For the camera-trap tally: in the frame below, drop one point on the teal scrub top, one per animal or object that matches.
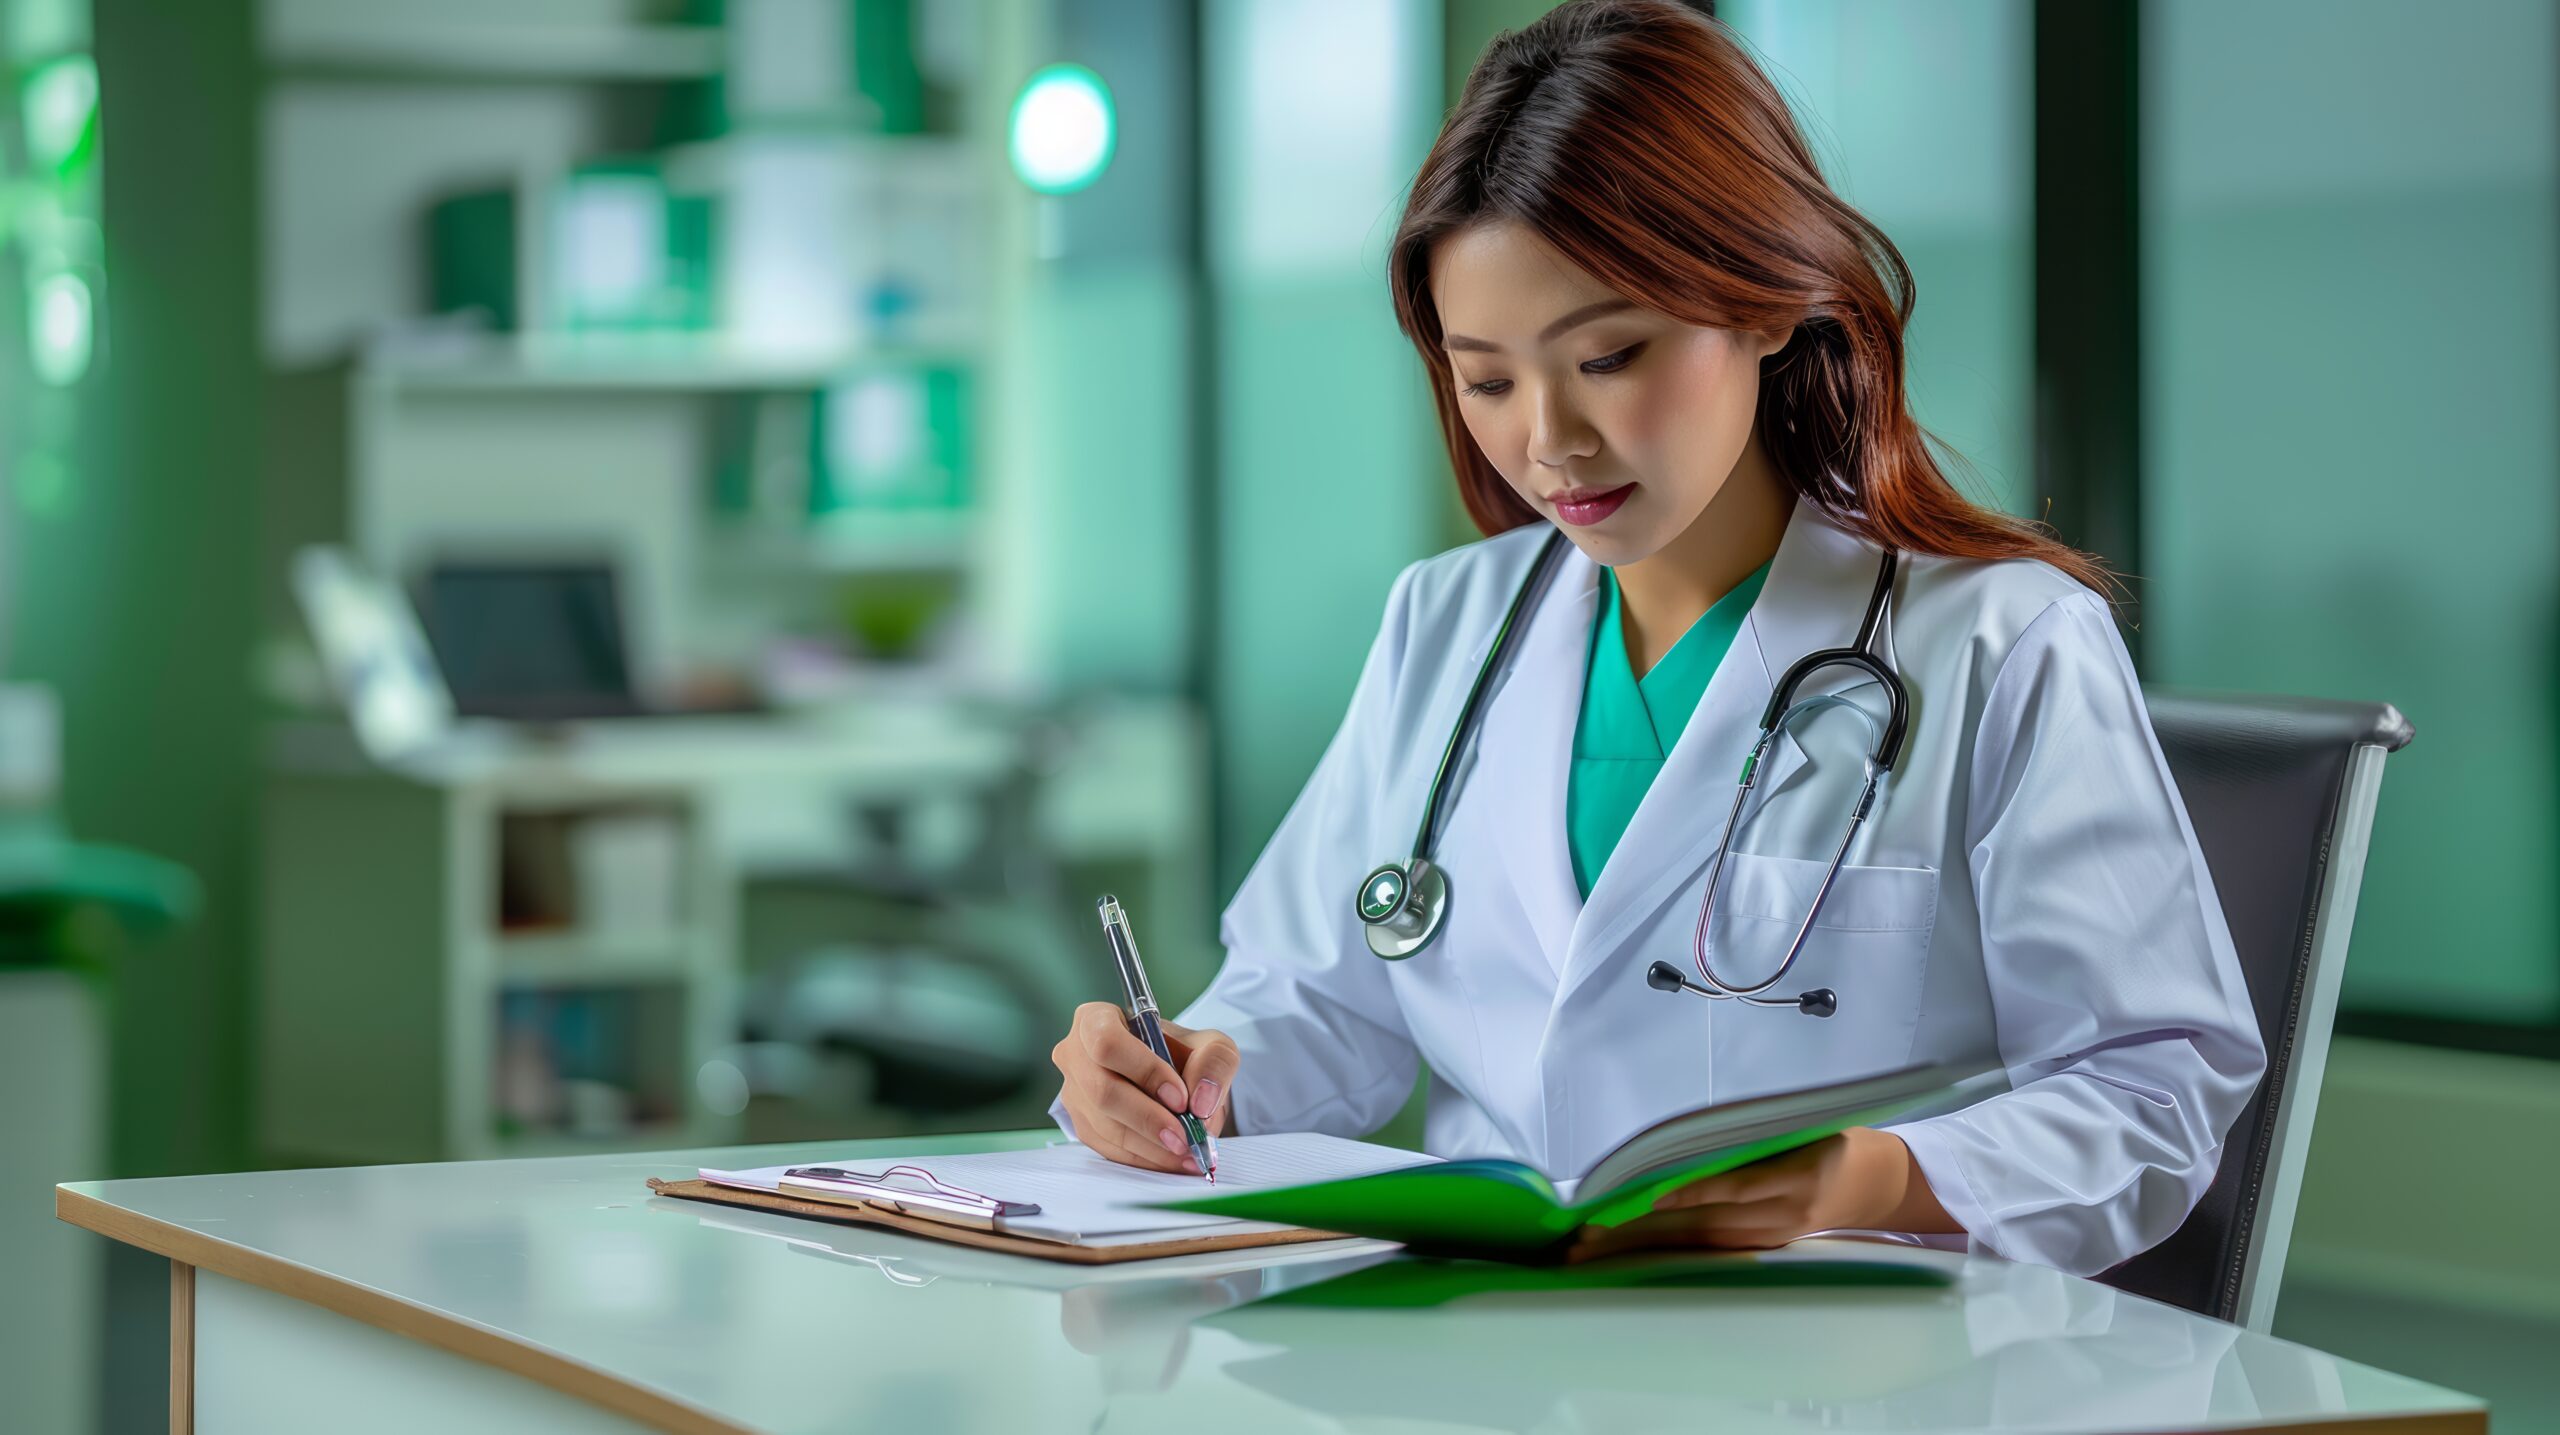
(1629, 724)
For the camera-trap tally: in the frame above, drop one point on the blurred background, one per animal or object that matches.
(613, 574)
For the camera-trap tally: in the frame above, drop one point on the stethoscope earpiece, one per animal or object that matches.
(1664, 977)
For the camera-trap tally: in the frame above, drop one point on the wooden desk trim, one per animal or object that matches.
(187, 1247)
(182, 1348)
(2442, 1422)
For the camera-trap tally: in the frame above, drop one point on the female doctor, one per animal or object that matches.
(1653, 328)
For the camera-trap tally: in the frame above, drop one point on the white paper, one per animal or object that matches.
(1089, 1200)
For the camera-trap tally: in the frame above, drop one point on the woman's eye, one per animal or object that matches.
(1490, 388)
(1611, 363)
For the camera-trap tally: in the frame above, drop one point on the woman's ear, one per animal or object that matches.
(1771, 344)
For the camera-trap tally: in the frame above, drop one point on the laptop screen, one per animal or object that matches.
(530, 640)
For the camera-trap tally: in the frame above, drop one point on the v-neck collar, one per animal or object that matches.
(1617, 721)
(1627, 717)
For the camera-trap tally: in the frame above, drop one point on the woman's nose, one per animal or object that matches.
(1557, 434)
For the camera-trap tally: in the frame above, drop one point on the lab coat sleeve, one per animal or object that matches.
(1315, 1020)
(2121, 1014)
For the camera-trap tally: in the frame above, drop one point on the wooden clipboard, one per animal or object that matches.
(850, 1215)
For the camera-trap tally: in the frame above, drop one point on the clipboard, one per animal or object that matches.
(888, 1215)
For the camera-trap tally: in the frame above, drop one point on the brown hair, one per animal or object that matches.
(1637, 138)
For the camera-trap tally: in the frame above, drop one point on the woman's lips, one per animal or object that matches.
(1583, 507)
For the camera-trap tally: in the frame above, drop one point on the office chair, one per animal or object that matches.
(938, 970)
(2281, 792)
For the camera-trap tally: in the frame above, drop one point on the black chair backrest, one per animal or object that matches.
(2264, 780)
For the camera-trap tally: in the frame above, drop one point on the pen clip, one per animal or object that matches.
(1124, 952)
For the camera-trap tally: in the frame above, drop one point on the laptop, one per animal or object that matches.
(537, 642)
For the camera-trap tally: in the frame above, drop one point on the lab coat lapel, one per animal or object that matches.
(1812, 599)
(1525, 753)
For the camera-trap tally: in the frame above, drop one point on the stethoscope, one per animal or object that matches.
(1402, 905)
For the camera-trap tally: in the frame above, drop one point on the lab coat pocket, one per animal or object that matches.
(1870, 946)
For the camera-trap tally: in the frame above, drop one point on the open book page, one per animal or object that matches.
(1087, 1199)
(1472, 1205)
(1504, 1209)
(1776, 1122)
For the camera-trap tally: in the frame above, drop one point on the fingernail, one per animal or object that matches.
(1170, 1095)
(1172, 1142)
(1204, 1099)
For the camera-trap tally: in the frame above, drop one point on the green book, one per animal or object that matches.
(1507, 1210)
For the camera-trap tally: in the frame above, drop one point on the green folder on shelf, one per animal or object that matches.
(1507, 1210)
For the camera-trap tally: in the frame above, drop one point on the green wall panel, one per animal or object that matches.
(2352, 342)
(1330, 477)
(1922, 117)
(136, 594)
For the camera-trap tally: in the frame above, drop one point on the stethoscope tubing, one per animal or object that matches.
(1409, 885)
(1427, 837)
(1884, 749)
(1712, 984)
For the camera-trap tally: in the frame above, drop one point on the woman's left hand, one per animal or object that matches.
(1861, 1179)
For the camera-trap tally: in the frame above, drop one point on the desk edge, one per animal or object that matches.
(548, 1368)
(451, 1334)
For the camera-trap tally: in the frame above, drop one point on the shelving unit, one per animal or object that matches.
(388, 976)
(385, 954)
(669, 363)
(882, 541)
(370, 45)
(387, 951)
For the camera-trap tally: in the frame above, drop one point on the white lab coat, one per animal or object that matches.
(2029, 883)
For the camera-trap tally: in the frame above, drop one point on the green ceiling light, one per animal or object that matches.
(59, 328)
(59, 106)
(1063, 129)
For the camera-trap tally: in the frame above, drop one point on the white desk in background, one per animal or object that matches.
(383, 966)
(559, 1295)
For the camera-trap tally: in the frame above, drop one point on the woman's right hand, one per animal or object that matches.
(1123, 1097)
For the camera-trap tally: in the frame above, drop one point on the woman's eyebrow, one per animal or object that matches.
(1583, 315)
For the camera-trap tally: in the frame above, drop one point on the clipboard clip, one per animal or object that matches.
(940, 1197)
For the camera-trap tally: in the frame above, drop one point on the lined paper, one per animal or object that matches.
(1090, 1200)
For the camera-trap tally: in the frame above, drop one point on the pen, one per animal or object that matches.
(1144, 1022)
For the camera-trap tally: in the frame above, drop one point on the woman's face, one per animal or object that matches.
(1618, 423)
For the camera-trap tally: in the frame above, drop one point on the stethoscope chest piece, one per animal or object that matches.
(1401, 905)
